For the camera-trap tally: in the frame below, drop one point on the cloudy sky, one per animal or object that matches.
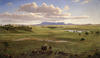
(37, 11)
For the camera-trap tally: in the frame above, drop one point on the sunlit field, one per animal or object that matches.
(72, 39)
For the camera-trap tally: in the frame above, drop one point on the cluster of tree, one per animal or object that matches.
(91, 32)
(87, 33)
(15, 28)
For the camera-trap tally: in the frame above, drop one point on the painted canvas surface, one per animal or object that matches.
(49, 28)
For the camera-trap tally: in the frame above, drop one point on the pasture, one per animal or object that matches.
(21, 41)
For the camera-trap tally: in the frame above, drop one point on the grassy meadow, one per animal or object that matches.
(57, 36)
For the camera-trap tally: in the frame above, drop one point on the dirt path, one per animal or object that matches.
(58, 41)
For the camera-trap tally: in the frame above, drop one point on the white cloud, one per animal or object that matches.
(19, 16)
(66, 7)
(48, 11)
(75, 0)
(31, 17)
(44, 9)
(83, 1)
(32, 12)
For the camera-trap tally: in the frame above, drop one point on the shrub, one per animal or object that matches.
(82, 39)
(79, 33)
(97, 32)
(86, 33)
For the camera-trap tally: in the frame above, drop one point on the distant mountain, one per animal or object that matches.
(70, 24)
(55, 23)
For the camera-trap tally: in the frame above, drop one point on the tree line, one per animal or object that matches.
(10, 27)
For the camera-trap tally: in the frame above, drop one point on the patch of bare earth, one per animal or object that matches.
(47, 40)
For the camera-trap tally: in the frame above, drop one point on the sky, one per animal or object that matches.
(37, 11)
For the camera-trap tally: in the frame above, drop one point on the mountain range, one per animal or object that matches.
(54, 23)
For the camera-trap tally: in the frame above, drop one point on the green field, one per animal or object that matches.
(56, 36)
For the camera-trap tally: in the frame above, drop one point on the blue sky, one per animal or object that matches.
(17, 3)
(87, 11)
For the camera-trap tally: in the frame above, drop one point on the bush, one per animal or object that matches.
(86, 33)
(97, 32)
(79, 33)
(82, 39)
(6, 44)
